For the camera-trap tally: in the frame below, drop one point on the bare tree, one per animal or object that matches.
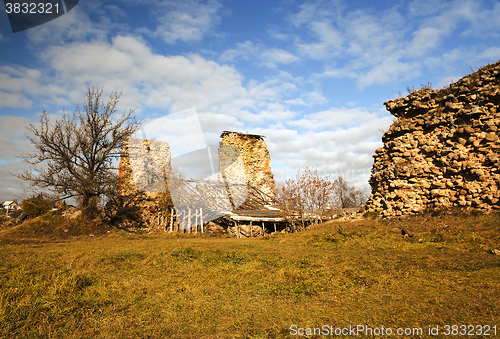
(349, 196)
(289, 202)
(79, 150)
(306, 197)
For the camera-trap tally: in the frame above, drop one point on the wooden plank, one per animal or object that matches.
(172, 220)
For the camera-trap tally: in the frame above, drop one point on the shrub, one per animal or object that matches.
(36, 206)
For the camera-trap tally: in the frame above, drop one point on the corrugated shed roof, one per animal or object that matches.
(255, 215)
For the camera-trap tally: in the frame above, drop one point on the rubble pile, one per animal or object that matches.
(443, 150)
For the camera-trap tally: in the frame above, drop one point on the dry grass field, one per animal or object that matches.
(339, 274)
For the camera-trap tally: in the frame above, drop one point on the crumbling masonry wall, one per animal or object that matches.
(256, 166)
(244, 169)
(141, 169)
(443, 150)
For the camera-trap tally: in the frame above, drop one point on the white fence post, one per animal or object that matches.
(201, 217)
(196, 221)
(172, 220)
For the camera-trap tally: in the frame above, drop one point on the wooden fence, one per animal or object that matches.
(190, 221)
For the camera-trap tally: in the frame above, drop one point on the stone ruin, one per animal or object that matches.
(142, 177)
(245, 180)
(442, 151)
(255, 167)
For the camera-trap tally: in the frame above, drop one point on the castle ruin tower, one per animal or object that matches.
(256, 165)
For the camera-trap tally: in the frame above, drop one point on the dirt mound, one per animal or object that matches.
(62, 224)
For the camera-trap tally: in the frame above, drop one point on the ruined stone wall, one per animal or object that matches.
(141, 176)
(256, 169)
(147, 159)
(244, 168)
(443, 150)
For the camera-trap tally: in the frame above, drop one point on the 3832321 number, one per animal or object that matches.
(470, 330)
(31, 8)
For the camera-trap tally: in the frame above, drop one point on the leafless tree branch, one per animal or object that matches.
(79, 149)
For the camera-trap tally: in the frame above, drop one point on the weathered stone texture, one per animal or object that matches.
(443, 150)
(148, 160)
(247, 161)
(245, 178)
(141, 173)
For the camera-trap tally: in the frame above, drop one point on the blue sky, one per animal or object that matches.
(311, 76)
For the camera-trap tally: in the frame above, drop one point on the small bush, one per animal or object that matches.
(36, 206)
(370, 215)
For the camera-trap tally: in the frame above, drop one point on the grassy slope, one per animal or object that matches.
(338, 274)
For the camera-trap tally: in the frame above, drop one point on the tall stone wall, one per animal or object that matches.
(443, 150)
(244, 176)
(254, 169)
(141, 176)
(147, 160)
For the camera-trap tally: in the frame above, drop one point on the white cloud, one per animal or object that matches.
(335, 119)
(330, 41)
(273, 56)
(448, 62)
(273, 33)
(421, 8)
(338, 141)
(273, 112)
(296, 102)
(187, 21)
(147, 79)
(15, 100)
(270, 90)
(491, 54)
(20, 85)
(335, 73)
(73, 26)
(267, 57)
(425, 39)
(12, 130)
(388, 46)
(244, 50)
(485, 22)
(388, 71)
